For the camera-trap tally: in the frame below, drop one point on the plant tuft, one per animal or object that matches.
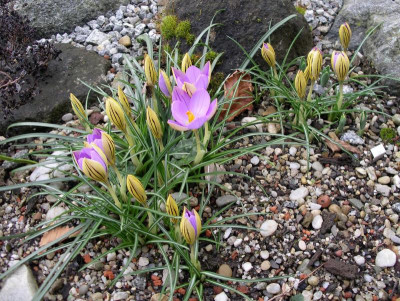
(168, 26)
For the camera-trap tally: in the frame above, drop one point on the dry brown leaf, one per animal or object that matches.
(242, 99)
(335, 148)
(53, 234)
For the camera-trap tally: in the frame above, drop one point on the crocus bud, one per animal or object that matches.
(153, 123)
(101, 140)
(150, 71)
(77, 107)
(136, 188)
(345, 35)
(186, 62)
(268, 53)
(314, 62)
(190, 226)
(164, 83)
(172, 208)
(300, 84)
(116, 114)
(307, 74)
(124, 100)
(92, 164)
(340, 64)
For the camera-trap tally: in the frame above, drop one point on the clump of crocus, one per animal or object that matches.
(340, 65)
(314, 63)
(165, 84)
(345, 35)
(186, 62)
(190, 229)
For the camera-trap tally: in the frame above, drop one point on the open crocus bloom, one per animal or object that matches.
(190, 113)
(91, 163)
(104, 142)
(193, 79)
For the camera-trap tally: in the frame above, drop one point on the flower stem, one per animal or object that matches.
(339, 102)
(310, 91)
(207, 134)
(193, 256)
(113, 195)
(200, 152)
(121, 182)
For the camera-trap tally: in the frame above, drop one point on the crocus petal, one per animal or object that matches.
(197, 123)
(180, 77)
(207, 70)
(192, 219)
(98, 158)
(179, 110)
(199, 103)
(212, 109)
(177, 126)
(179, 95)
(96, 134)
(77, 158)
(193, 73)
(202, 82)
(94, 170)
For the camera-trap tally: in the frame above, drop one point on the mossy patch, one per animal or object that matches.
(168, 26)
(183, 29)
(301, 10)
(216, 80)
(387, 135)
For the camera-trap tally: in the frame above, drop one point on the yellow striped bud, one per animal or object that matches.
(153, 123)
(124, 101)
(116, 114)
(150, 71)
(345, 35)
(77, 107)
(172, 208)
(307, 74)
(135, 187)
(340, 64)
(314, 62)
(300, 84)
(268, 53)
(94, 170)
(186, 62)
(190, 226)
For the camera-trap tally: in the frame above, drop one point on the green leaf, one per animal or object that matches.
(17, 160)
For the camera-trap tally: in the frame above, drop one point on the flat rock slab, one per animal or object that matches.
(246, 22)
(341, 268)
(57, 16)
(62, 77)
(19, 286)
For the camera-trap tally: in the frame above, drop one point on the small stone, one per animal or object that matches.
(341, 268)
(383, 189)
(255, 160)
(67, 117)
(302, 245)
(273, 288)
(317, 166)
(221, 297)
(396, 207)
(359, 260)
(225, 200)
(237, 242)
(209, 248)
(317, 222)
(385, 258)
(396, 181)
(292, 151)
(324, 201)
(54, 212)
(299, 193)
(313, 280)
(247, 266)
(268, 228)
(317, 295)
(265, 265)
(384, 180)
(20, 285)
(356, 203)
(143, 261)
(264, 254)
(225, 270)
(97, 37)
(83, 289)
(126, 41)
(256, 127)
(361, 172)
(396, 119)
(111, 256)
(120, 296)
(352, 138)
(378, 152)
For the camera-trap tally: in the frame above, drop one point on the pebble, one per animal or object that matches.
(255, 160)
(264, 254)
(383, 189)
(385, 258)
(359, 260)
(111, 256)
(265, 265)
(67, 117)
(299, 193)
(313, 280)
(317, 222)
(221, 297)
(247, 266)
(268, 228)
(143, 261)
(225, 200)
(273, 288)
(120, 296)
(225, 270)
(384, 180)
(292, 151)
(317, 166)
(302, 245)
(83, 289)
(54, 212)
(317, 295)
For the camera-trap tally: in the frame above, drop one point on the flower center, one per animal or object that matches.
(190, 116)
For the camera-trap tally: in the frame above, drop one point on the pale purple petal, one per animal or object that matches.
(180, 77)
(162, 85)
(212, 109)
(179, 110)
(201, 82)
(197, 123)
(96, 134)
(199, 103)
(179, 95)
(177, 126)
(96, 157)
(193, 73)
(206, 70)
(192, 219)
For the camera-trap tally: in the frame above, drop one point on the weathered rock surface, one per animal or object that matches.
(59, 80)
(341, 268)
(54, 16)
(19, 286)
(246, 22)
(382, 48)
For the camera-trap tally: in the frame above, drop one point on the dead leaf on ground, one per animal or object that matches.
(239, 89)
(53, 234)
(335, 148)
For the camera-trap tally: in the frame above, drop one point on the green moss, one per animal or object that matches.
(190, 39)
(216, 80)
(183, 29)
(168, 27)
(301, 10)
(387, 135)
(211, 55)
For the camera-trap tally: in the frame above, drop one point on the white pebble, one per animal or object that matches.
(221, 297)
(255, 160)
(385, 258)
(247, 266)
(273, 288)
(238, 242)
(302, 245)
(268, 228)
(317, 222)
(360, 260)
(143, 261)
(264, 254)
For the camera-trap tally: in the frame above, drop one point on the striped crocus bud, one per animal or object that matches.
(186, 62)
(77, 107)
(172, 208)
(190, 226)
(307, 74)
(164, 83)
(300, 84)
(340, 64)
(150, 71)
(124, 100)
(153, 123)
(314, 62)
(92, 164)
(105, 144)
(345, 35)
(268, 53)
(116, 114)
(135, 187)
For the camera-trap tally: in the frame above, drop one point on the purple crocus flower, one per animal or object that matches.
(190, 225)
(104, 142)
(190, 113)
(91, 163)
(193, 79)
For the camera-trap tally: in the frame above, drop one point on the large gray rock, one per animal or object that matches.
(382, 48)
(246, 22)
(59, 80)
(19, 286)
(58, 16)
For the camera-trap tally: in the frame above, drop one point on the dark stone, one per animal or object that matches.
(341, 268)
(57, 16)
(95, 118)
(328, 221)
(314, 258)
(59, 80)
(246, 22)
